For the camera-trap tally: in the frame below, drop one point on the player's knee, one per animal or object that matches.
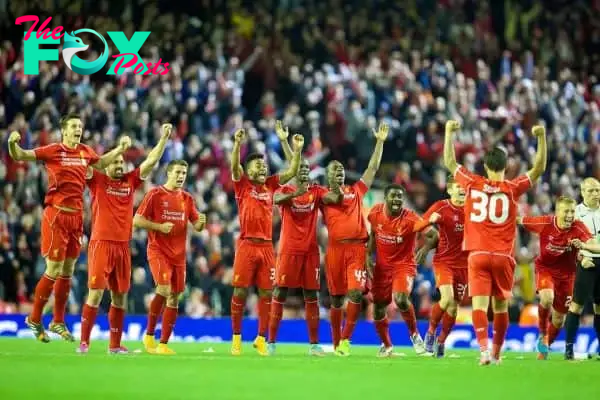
(68, 267)
(240, 293)
(355, 296)
(173, 300)
(445, 302)
(337, 301)
(310, 295)
(118, 299)
(576, 308)
(53, 268)
(546, 298)
(280, 294)
(402, 301)
(163, 290)
(499, 305)
(265, 293)
(379, 311)
(94, 297)
(596, 308)
(558, 319)
(452, 309)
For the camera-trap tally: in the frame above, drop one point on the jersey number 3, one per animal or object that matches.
(489, 207)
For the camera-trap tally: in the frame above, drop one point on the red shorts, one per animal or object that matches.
(450, 275)
(61, 234)
(562, 286)
(109, 265)
(388, 280)
(166, 273)
(298, 271)
(254, 265)
(345, 267)
(491, 274)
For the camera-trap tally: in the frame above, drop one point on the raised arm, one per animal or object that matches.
(449, 156)
(283, 134)
(157, 152)
(541, 156)
(111, 156)
(292, 170)
(16, 152)
(236, 167)
(283, 198)
(144, 223)
(381, 134)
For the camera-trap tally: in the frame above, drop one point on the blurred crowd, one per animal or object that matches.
(331, 70)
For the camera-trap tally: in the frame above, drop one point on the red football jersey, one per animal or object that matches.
(395, 237)
(490, 211)
(451, 226)
(112, 205)
(345, 220)
(255, 206)
(299, 220)
(176, 206)
(67, 170)
(555, 251)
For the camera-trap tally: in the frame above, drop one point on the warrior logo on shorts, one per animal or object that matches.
(164, 275)
(283, 278)
(236, 277)
(93, 279)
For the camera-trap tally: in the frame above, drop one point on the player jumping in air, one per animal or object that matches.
(62, 220)
(346, 250)
(490, 230)
(587, 279)
(298, 263)
(555, 266)
(109, 261)
(449, 263)
(393, 238)
(165, 213)
(254, 263)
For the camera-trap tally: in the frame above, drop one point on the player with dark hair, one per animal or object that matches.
(587, 280)
(165, 212)
(555, 266)
(393, 238)
(254, 262)
(449, 263)
(298, 262)
(62, 221)
(489, 236)
(109, 261)
(346, 249)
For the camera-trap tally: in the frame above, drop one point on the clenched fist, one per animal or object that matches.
(166, 227)
(125, 143)
(166, 130)
(14, 137)
(452, 126)
(239, 135)
(538, 131)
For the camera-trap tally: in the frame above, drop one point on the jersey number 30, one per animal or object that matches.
(489, 207)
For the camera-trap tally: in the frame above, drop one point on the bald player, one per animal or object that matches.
(587, 280)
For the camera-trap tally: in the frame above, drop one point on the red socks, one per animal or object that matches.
(335, 317)
(237, 312)
(275, 320)
(480, 325)
(543, 316)
(553, 332)
(383, 330)
(88, 318)
(62, 286)
(448, 322)
(410, 319)
(311, 308)
(156, 309)
(435, 318)
(264, 310)
(115, 322)
(43, 290)
(352, 314)
(500, 328)
(168, 322)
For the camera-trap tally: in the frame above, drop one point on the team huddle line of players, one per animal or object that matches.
(473, 233)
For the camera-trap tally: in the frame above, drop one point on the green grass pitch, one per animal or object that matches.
(32, 370)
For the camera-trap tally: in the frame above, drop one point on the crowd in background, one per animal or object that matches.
(331, 70)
